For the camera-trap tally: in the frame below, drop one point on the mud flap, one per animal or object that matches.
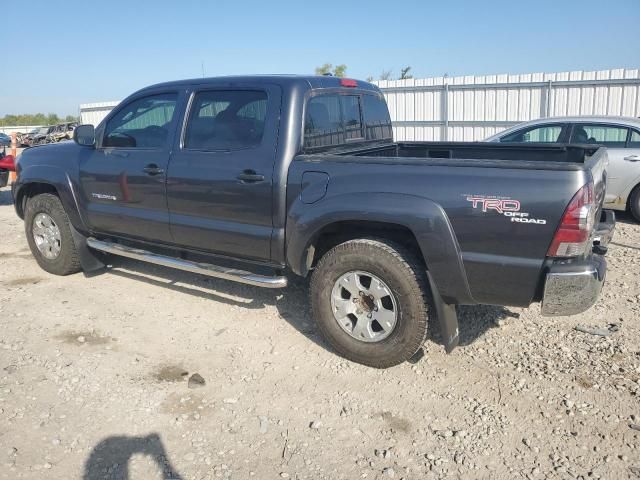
(88, 260)
(447, 318)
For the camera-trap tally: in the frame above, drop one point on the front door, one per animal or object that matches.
(219, 186)
(123, 180)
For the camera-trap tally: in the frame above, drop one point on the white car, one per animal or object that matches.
(621, 136)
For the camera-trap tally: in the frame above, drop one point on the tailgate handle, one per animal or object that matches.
(632, 158)
(250, 176)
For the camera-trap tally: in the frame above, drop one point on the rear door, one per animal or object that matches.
(219, 186)
(122, 180)
(614, 137)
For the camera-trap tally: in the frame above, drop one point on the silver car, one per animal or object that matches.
(621, 136)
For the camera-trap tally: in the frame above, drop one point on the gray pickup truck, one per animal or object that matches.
(260, 178)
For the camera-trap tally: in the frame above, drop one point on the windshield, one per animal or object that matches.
(43, 130)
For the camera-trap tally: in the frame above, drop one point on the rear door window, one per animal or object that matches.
(226, 120)
(634, 141)
(536, 134)
(611, 136)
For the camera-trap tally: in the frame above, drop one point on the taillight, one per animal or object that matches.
(573, 234)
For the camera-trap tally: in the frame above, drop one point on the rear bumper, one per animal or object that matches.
(573, 287)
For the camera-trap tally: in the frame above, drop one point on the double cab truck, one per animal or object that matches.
(259, 179)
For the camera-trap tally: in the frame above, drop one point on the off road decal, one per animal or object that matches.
(505, 206)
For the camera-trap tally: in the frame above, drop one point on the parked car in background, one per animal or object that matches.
(25, 139)
(40, 137)
(62, 131)
(621, 136)
(7, 164)
(5, 140)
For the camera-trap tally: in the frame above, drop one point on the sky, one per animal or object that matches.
(89, 51)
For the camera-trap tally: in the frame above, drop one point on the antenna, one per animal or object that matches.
(202, 65)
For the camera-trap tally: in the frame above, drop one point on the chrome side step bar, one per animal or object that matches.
(180, 264)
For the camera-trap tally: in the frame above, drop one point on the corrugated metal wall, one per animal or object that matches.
(93, 113)
(475, 107)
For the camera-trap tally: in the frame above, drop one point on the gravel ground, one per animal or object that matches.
(94, 383)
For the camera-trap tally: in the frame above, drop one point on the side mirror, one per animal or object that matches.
(85, 135)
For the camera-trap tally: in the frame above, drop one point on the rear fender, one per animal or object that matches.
(423, 217)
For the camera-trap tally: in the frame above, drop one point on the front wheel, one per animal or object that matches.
(370, 299)
(49, 235)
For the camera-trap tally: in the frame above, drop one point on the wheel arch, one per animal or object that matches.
(36, 180)
(415, 222)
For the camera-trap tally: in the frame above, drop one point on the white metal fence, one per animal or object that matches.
(475, 107)
(19, 129)
(93, 113)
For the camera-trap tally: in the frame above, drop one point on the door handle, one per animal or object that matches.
(632, 158)
(153, 169)
(250, 176)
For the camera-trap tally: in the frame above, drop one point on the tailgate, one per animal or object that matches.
(598, 164)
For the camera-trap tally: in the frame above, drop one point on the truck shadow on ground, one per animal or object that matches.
(110, 458)
(292, 302)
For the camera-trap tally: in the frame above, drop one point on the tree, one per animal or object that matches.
(328, 68)
(404, 73)
(370, 78)
(340, 71)
(34, 119)
(324, 69)
(385, 75)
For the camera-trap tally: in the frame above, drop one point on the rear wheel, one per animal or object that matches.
(49, 235)
(370, 299)
(634, 203)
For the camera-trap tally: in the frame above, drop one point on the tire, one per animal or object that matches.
(634, 203)
(403, 275)
(67, 260)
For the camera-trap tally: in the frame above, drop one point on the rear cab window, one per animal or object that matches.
(334, 119)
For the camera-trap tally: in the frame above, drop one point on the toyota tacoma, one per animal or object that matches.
(259, 179)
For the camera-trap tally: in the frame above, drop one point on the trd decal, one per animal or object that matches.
(507, 207)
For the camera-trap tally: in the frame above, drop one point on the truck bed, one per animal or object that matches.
(502, 260)
(522, 152)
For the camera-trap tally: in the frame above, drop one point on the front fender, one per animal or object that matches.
(55, 177)
(423, 217)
